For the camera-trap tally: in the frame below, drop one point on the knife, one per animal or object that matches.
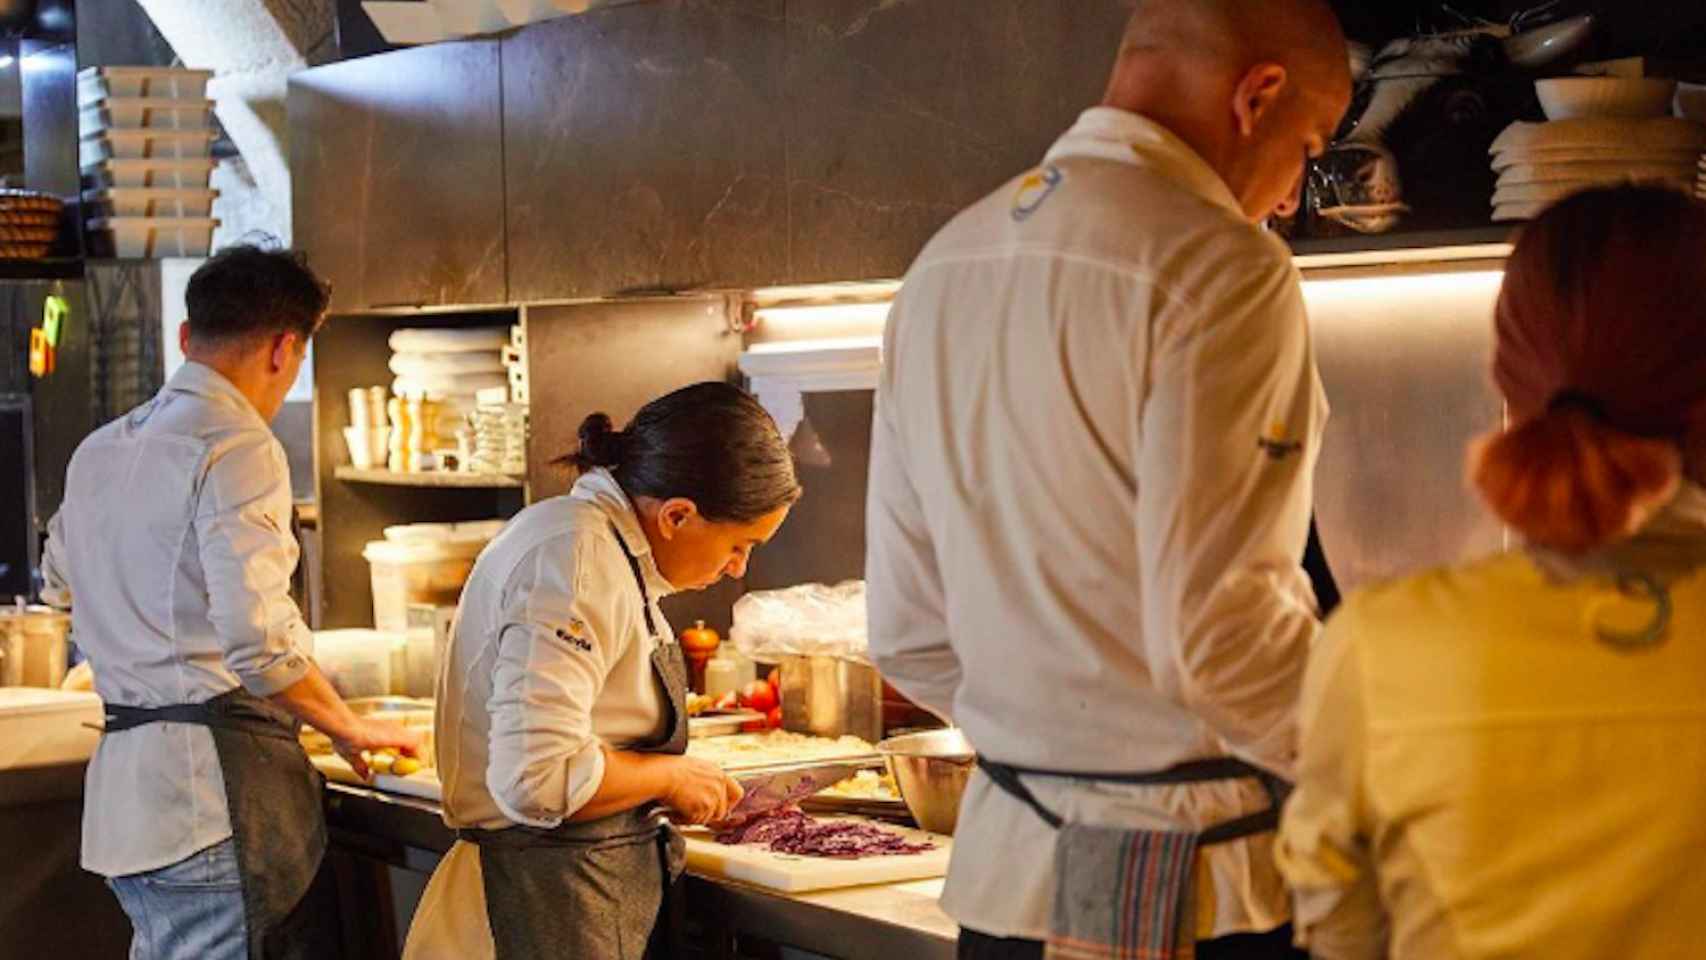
(770, 789)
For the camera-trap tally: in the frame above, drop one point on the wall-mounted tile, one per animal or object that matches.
(397, 172)
(900, 114)
(645, 149)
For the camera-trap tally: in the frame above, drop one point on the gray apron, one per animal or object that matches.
(595, 890)
(1125, 894)
(278, 823)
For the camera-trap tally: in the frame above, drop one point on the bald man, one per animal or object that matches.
(1090, 489)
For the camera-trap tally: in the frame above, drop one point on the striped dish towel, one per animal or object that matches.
(1123, 895)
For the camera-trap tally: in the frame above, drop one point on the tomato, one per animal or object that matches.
(755, 726)
(759, 696)
(775, 718)
(775, 681)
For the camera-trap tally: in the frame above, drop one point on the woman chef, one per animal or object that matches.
(561, 726)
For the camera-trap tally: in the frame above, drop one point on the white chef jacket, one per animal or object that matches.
(173, 549)
(548, 659)
(1090, 492)
(1482, 777)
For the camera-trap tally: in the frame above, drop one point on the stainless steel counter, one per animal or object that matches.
(861, 923)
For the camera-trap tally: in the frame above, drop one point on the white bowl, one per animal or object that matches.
(1574, 98)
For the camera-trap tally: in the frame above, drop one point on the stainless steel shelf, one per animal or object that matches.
(471, 481)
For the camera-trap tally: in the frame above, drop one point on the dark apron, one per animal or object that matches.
(595, 890)
(278, 823)
(1123, 893)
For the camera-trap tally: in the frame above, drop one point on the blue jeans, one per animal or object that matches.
(191, 910)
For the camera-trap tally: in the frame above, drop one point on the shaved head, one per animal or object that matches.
(1301, 35)
(1255, 87)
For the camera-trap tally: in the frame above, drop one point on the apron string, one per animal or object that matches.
(639, 581)
(1009, 779)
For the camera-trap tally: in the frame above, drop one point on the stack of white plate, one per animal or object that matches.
(449, 366)
(146, 148)
(1541, 163)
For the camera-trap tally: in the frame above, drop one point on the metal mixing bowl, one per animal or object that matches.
(931, 770)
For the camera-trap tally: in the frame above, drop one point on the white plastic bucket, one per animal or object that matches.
(430, 572)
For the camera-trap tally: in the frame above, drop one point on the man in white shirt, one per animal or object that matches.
(1091, 470)
(173, 549)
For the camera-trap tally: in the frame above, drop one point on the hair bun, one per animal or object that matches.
(600, 443)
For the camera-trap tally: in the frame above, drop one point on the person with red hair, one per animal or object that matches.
(1508, 758)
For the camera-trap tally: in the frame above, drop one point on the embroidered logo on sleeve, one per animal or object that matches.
(575, 636)
(1277, 445)
(1034, 190)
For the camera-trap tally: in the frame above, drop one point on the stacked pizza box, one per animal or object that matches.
(147, 156)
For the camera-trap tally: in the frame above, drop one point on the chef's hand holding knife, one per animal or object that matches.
(700, 792)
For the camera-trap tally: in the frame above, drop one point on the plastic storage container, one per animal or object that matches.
(149, 202)
(174, 83)
(143, 113)
(146, 238)
(358, 662)
(32, 646)
(43, 728)
(145, 144)
(423, 571)
(181, 174)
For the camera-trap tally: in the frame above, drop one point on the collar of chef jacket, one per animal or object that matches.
(204, 381)
(599, 487)
(1106, 133)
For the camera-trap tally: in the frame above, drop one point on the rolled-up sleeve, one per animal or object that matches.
(907, 609)
(1324, 847)
(56, 574)
(555, 652)
(1228, 446)
(242, 528)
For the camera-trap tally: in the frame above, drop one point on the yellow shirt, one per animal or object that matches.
(1482, 777)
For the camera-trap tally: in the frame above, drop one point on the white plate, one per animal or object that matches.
(1656, 158)
(1522, 193)
(1597, 171)
(1663, 133)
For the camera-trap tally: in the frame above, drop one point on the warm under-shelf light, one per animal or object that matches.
(1408, 288)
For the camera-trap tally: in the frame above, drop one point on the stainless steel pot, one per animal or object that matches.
(931, 770)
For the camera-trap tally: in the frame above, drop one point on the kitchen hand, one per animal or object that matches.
(377, 735)
(700, 792)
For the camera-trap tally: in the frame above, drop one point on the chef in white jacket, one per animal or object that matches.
(562, 724)
(1090, 485)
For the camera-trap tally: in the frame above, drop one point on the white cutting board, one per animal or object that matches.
(793, 874)
(423, 784)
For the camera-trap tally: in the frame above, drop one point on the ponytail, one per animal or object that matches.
(600, 444)
(1568, 481)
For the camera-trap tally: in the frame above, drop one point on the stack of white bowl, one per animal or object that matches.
(449, 366)
(497, 439)
(147, 155)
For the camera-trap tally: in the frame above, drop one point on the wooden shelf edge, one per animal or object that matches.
(469, 481)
